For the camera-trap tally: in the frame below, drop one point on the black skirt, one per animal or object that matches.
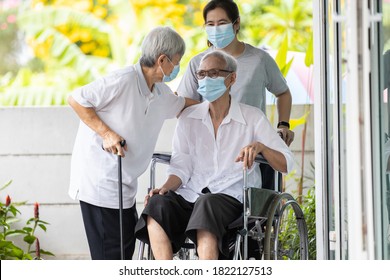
(180, 218)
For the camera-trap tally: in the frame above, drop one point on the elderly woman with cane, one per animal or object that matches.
(129, 104)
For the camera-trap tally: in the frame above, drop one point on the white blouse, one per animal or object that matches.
(202, 160)
(125, 103)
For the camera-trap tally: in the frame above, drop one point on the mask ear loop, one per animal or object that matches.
(230, 86)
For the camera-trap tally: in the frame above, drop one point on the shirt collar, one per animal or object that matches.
(201, 112)
(143, 86)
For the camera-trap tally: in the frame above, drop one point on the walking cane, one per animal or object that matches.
(123, 143)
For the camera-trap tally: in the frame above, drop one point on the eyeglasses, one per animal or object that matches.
(212, 73)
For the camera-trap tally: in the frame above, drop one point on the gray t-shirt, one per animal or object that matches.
(256, 71)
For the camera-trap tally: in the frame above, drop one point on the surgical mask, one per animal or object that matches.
(220, 35)
(175, 71)
(212, 89)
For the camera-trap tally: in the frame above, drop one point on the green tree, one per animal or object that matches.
(73, 42)
(269, 22)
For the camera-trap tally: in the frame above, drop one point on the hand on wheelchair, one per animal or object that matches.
(286, 134)
(248, 154)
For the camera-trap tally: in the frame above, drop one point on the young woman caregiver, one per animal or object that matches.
(256, 71)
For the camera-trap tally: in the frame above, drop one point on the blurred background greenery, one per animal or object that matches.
(50, 47)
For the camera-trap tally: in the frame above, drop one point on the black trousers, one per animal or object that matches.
(103, 234)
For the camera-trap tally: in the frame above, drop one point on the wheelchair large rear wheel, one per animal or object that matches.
(286, 231)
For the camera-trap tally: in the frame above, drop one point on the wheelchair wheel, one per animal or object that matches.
(286, 231)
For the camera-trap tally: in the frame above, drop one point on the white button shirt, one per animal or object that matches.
(202, 160)
(124, 102)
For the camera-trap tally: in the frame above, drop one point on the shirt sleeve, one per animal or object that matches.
(181, 163)
(276, 83)
(266, 134)
(188, 86)
(97, 94)
(173, 104)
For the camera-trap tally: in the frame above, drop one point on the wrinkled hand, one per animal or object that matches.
(286, 134)
(248, 154)
(160, 191)
(111, 144)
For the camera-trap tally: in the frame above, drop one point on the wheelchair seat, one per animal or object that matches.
(258, 233)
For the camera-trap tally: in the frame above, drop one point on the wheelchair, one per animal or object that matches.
(272, 226)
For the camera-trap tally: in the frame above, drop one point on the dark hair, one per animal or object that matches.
(228, 6)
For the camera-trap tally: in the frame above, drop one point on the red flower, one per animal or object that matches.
(7, 201)
(37, 249)
(36, 210)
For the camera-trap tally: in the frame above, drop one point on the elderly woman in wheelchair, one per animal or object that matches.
(213, 142)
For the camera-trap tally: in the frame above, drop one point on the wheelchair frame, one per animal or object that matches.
(267, 224)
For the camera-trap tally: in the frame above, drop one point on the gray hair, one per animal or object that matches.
(230, 61)
(161, 40)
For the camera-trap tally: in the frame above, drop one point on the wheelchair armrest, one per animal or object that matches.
(166, 157)
(260, 159)
(162, 157)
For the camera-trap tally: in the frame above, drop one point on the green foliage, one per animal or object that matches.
(8, 217)
(8, 33)
(309, 57)
(74, 42)
(281, 58)
(278, 19)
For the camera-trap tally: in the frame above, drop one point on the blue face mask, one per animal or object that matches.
(175, 71)
(221, 35)
(212, 89)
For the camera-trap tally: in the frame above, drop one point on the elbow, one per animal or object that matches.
(70, 100)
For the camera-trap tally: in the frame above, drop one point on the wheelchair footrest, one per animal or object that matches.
(188, 245)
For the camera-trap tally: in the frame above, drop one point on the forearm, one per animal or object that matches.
(275, 158)
(89, 117)
(283, 104)
(190, 102)
(172, 183)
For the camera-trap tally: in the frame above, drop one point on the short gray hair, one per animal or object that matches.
(161, 40)
(230, 61)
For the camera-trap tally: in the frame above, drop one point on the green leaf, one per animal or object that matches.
(30, 220)
(281, 56)
(29, 239)
(6, 185)
(5, 244)
(15, 232)
(28, 229)
(309, 57)
(17, 253)
(287, 67)
(13, 210)
(12, 220)
(43, 222)
(297, 122)
(43, 252)
(27, 257)
(42, 227)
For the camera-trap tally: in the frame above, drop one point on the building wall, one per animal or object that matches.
(35, 151)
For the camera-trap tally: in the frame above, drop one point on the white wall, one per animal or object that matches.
(35, 150)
